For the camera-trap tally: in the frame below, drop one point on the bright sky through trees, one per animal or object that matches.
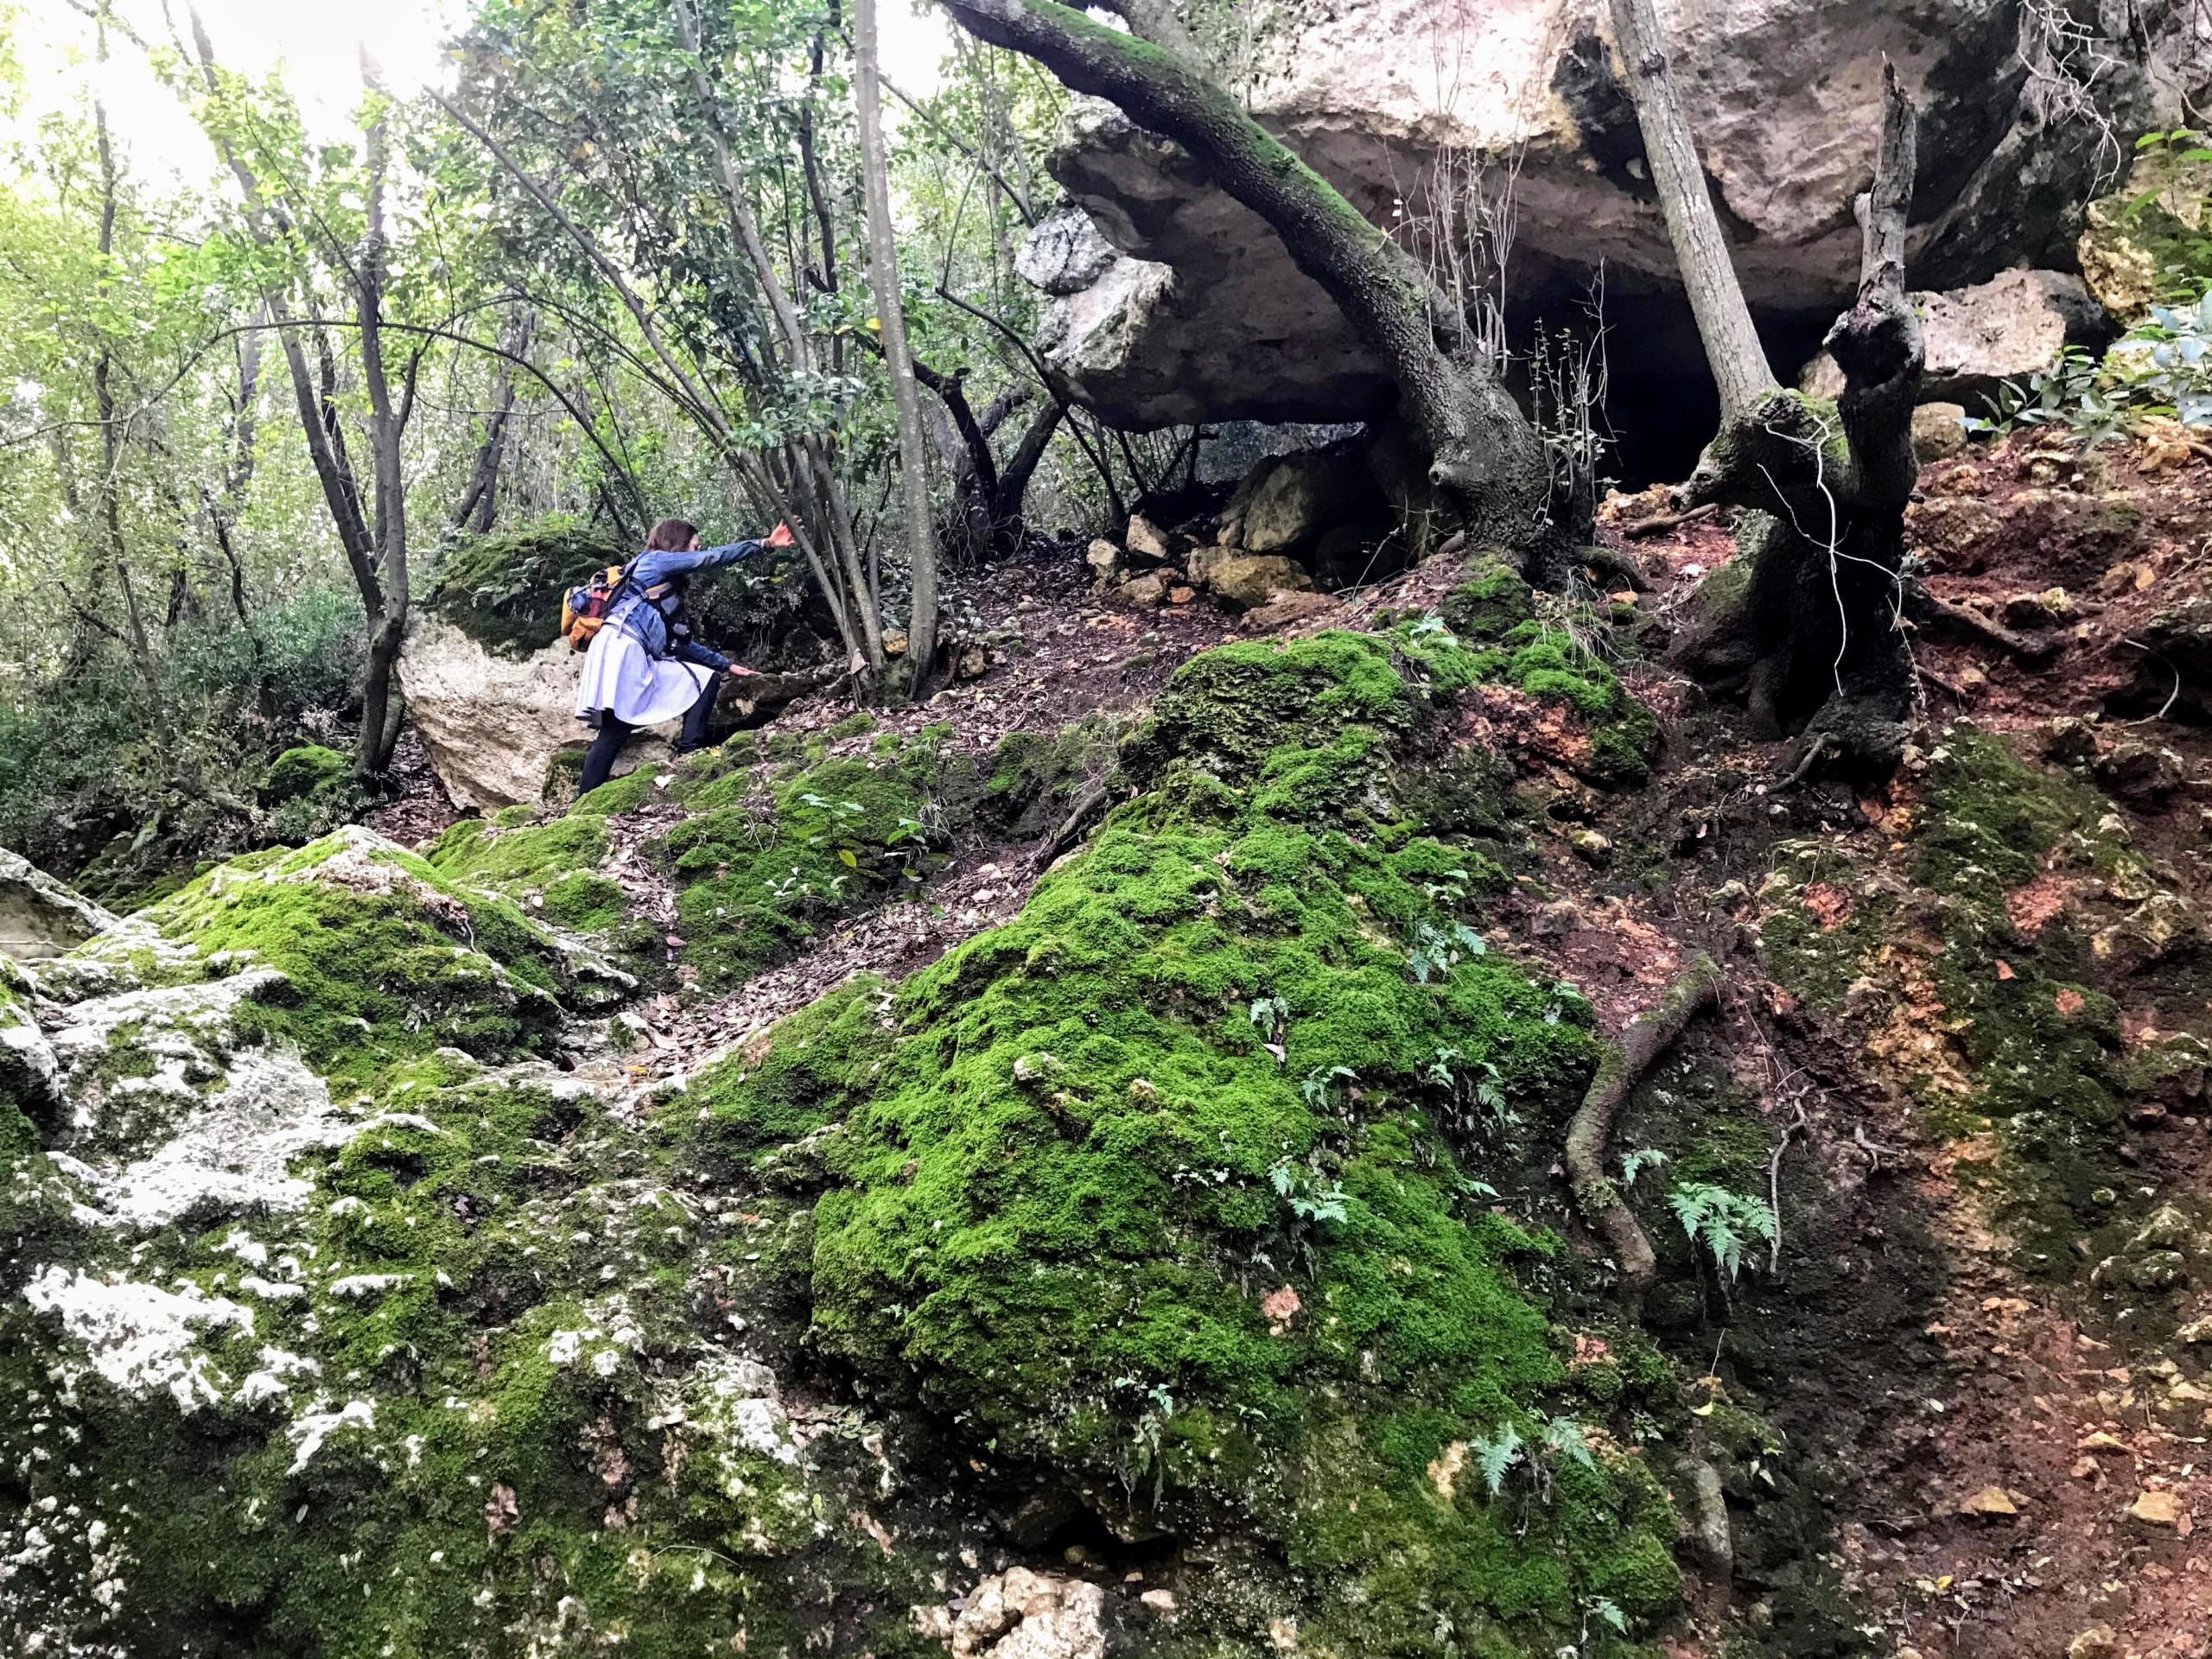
(318, 45)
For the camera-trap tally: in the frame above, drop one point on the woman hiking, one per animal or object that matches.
(644, 666)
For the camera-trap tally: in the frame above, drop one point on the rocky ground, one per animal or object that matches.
(1076, 1167)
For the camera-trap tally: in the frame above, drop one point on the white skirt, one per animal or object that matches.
(641, 689)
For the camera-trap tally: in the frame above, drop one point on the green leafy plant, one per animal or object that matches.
(2068, 394)
(1562, 1442)
(1308, 1201)
(1725, 1223)
(1317, 1085)
(1437, 950)
(2164, 366)
(1633, 1164)
(1474, 1096)
(1496, 1454)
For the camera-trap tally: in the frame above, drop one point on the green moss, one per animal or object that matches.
(503, 590)
(520, 861)
(1035, 776)
(1081, 1164)
(2037, 1047)
(1492, 602)
(302, 771)
(852, 725)
(822, 1056)
(1989, 819)
(839, 834)
(616, 796)
(383, 957)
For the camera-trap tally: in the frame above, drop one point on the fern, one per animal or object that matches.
(1633, 1164)
(1495, 1454)
(1563, 1437)
(1726, 1224)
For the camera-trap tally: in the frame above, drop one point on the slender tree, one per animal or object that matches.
(890, 310)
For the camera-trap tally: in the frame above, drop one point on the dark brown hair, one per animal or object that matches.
(671, 535)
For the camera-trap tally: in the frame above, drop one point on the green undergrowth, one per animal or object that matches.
(779, 836)
(1170, 1190)
(1532, 649)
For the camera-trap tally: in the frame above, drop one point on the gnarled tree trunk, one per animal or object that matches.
(1806, 622)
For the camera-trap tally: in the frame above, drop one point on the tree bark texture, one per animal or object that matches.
(1807, 621)
(890, 310)
(1724, 321)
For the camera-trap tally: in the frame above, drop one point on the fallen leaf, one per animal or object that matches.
(1989, 1500)
(2005, 970)
(2069, 1002)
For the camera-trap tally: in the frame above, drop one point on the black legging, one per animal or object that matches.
(606, 747)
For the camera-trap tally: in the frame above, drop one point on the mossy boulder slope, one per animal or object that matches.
(356, 1304)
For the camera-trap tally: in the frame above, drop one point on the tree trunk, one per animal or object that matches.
(110, 493)
(480, 501)
(890, 310)
(1806, 621)
(388, 621)
(1486, 462)
(1724, 321)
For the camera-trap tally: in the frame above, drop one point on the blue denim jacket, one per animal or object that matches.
(661, 627)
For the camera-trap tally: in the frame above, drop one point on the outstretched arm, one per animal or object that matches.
(691, 651)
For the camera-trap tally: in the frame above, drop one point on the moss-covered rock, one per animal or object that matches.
(302, 771)
(1158, 1194)
(503, 590)
(379, 956)
(1164, 1201)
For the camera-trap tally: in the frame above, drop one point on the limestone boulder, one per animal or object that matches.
(1250, 580)
(2156, 217)
(2007, 328)
(1938, 431)
(1176, 304)
(40, 917)
(494, 722)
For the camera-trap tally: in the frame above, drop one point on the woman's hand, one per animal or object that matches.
(779, 537)
(740, 671)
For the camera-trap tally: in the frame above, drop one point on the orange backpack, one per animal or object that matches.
(583, 610)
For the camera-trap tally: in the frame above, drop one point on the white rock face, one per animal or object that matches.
(2009, 328)
(40, 917)
(493, 724)
(1205, 313)
(139, 1338)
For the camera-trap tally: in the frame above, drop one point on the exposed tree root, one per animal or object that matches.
(1933, 615)
(1610, 561)
(1711, 1543)
(1667, 521)
(1090, 805)
(1620, 1065)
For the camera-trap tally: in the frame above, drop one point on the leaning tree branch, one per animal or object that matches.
(1620, 1066)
